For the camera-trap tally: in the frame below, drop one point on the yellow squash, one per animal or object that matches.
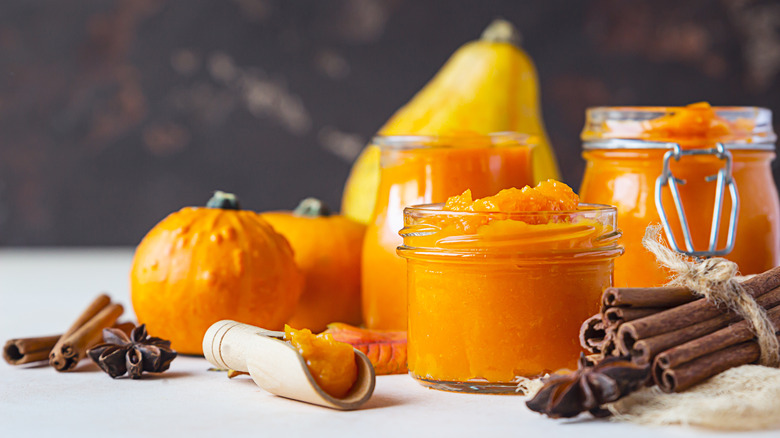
(488, 85)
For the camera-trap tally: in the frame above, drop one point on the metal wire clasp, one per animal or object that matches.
(723, 179)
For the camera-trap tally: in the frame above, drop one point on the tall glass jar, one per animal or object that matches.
(703, 172)
(494, 296)
(417, 170)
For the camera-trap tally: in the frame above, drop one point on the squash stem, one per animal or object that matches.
(225, 201)
(311, 207)
(501, 31)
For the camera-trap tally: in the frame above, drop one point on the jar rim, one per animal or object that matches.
(634, 127)
(437, 208)
(638, 144)
(415, 141)
(651, 112)
(511, 246)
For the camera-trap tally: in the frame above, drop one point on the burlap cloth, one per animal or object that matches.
(742, 398)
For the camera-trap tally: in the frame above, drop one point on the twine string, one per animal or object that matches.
(714, 279)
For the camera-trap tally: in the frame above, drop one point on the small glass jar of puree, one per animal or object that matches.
(702, 172)
(495, 295)
(422, 170)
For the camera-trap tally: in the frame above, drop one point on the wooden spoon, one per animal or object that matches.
(277, 366)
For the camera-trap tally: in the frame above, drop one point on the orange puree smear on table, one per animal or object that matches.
(517, 310)
(331, 363)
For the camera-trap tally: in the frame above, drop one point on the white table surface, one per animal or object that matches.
(189, 400)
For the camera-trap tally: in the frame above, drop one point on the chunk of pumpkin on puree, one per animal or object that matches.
(331, 363)
(548, 195)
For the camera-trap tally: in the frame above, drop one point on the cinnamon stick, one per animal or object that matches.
(619, 315)
(668, 296)
(592, 333)
(704, 367)
(688, 314)
(27, 350)
(644, 350)
(599, 332)
(609, 344)
(713, 342)
(86, 332)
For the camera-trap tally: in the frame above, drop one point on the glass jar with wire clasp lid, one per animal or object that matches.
(702, 172)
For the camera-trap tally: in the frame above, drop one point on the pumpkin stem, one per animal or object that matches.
(501, 31)
(311, 207)
(226, 201)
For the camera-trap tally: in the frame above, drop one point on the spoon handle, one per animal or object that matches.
(227, 344)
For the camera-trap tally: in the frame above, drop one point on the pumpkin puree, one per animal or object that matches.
(499, 286)
(694, 125)
(331, 363)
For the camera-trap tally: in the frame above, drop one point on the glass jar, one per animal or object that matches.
(494, 296)
(702, 172)
(422, 169)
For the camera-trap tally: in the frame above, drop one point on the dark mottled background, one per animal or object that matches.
(114, 113)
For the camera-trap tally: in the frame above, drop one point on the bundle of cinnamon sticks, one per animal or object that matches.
(65, 351)
(683, 337)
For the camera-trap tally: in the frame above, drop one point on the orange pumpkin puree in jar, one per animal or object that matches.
(499, 286)
(331, 363)
(625, 147)
(421, 170)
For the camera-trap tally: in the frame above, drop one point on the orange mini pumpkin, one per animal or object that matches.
(327, 249)
(201, 265)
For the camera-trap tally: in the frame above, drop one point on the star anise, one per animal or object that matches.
(133, 355)
(588, 388)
